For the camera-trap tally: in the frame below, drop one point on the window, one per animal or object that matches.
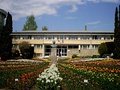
(38, 46)
(47, 50)
(49, 37)
(99, 37)
(73, 46)
(111, 37)
(73, 37)
(108, 37)
(26, 37)
(61, 37)
(16, 37)
(95, 46)
(84, 37)
(38, 37)
(85, 46)
(95, 37)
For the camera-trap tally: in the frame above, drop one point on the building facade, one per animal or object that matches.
(82, 43)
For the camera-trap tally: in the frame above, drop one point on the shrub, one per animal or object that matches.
(74, 56)
(26, 50)
(102, 49)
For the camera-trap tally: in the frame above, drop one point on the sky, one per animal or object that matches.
(63, 15)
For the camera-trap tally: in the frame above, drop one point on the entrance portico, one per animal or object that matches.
(61, 50)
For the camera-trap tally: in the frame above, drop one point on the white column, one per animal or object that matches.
(79, 47)
(90, 42)
(43, 49)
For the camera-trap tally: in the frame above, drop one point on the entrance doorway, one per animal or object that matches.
(61, 51)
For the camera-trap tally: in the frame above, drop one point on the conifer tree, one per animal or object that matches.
(30, 23)
(119, 17)
(6, 39)
(116, 51)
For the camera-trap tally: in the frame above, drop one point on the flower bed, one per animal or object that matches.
(90, 75)
(78, 76)
(20, 75)
(108, 66)
(49, 79)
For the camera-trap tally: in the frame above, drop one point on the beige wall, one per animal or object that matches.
(83, 52)
(65, 41)
(70, 52)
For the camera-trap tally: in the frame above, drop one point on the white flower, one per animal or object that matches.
(47, 81)
(42, 80)
(55, 82)
(50, 74)
(51, 80)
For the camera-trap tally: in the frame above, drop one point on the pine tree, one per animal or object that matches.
(30, 23)
(6, 39)
(116, 24)
(116, 51)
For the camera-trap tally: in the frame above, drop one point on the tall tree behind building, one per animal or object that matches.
(30, 23)
(44, 28)
(6, 39)
(116, 51)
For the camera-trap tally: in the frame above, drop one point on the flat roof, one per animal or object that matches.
(60, 32)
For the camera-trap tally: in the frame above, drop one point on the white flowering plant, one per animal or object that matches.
(49, 79)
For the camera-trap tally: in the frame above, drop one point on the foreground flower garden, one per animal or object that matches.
(20, 75)
(89, 75)
(92, 75)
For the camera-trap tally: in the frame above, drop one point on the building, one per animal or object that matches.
(82, 43)
(3, 14)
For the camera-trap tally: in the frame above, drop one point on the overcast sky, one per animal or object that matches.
(63, 14)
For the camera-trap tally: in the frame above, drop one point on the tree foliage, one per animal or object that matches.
(117, 34)
(44, 28)
(26, 50)
(30, 23)
(6, 39)
(102, 49)
(106, 48)
(24, 45)
(110, 47)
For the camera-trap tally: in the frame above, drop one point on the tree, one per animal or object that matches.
(103, 49)
(110, 47)
(44, 28)
(24, 46)
(6, 39)
(116, 51)
(26, 50)
(30, 23)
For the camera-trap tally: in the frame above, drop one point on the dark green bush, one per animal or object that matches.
(74, 56)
